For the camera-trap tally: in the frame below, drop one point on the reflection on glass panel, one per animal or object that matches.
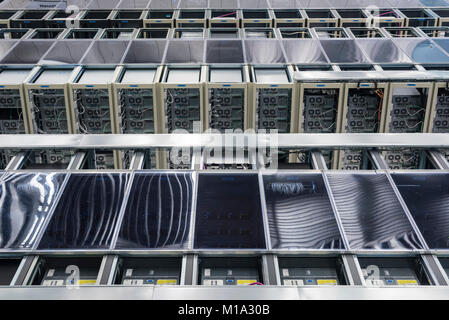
(86, 215)
(304, 51)
(372, 216)
(343, 51)
(264, 51)
(229, 213)
(383, 51)
(158, 212)
(427, 197)
(25, 202)
(422, 51)
(299, 212)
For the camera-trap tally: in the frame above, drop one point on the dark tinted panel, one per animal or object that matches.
(87, 213)
(427, 198)
(158, 212)
(299, 212)
(371, 214)
(229, 213)
(25, 202)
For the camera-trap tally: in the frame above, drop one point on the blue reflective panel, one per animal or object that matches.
(427, 198)
(86, 215)
(25, 202)
(158, 212)
(422, 50)
(372, 215)
(300, 214)
(229, 213)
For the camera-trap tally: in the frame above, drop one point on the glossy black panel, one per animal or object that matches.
(158, 212)
(372, 215)
(87, 213)
(427, 197)
(229, 213)
(300, 214)
(25, 202)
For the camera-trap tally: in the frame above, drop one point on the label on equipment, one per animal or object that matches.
(51, 273)
(210, 282)
(285, 272)
(407, 282)
(207, 272)
(165, 282)
(133, 282)
(129, 272)
(87, 282)
(241, 282)
(374, 282)
(293, 282)
(326, 282)
(53, 283)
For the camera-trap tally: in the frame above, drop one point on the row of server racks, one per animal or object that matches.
(252, 229)
(226, 17)
(195, 99)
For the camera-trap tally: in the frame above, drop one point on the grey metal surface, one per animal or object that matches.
(144, 141)
(228, 292)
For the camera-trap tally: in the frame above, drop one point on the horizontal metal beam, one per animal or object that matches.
(300, 141)
(224, 293)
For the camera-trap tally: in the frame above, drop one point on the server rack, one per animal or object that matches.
(328, 90)
(226, 95)
(92, 107)
(191, 18)
(224, 18)
(256, 18)
(321, 18)
(288, 18)
(136, 94)
(159, 19)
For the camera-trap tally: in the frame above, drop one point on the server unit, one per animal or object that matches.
(182, 105)
(224, 18)
(386, 17)
(29, 19)
(353, 18)
(226, 98)
(57, 271)
(312, 271)
(443, 16)
(419, 17)
(128, 19)
(408, 111)
(188, 33)
(273, 99)
(6, 17)
(321, 18)
(191, 18)
(118, 33)
(14, 118)
(288, 18)
(95, 19)
(397, 271)
(61, 19)
(93, 106)
(261, 33)
(256, 18)
(47, 94)
(320, 105)
(159, 19)
(224, 33)
(230, 271)
(439, 110)
(148, 271)
(10, 34)
(364, 104)
(82, 33)
(135, 93)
